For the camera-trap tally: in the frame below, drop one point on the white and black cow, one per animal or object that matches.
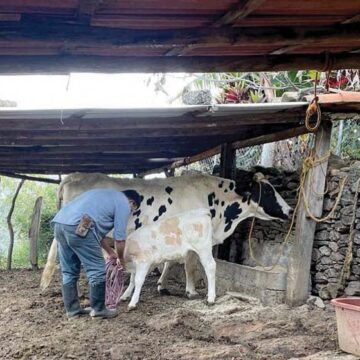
(229, 203)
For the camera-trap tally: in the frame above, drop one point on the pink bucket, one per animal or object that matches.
(348, 323)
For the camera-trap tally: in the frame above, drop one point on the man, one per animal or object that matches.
(80, 229)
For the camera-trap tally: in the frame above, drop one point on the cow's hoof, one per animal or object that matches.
(164, 292)
(210, 303)
(192, 296)
(124, 298)
(131, 307)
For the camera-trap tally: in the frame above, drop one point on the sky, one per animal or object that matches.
(89, 90)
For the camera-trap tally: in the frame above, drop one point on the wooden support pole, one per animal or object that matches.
(227, 170)
(227, 161)
(300, 257)
(34, 233)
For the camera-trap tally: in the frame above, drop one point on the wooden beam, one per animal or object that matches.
(277, 136)
(66, 64)
(30, 178)
(125, 123)
(68, 39)
(300, 256)
(352, 19)
(240, 11)
(263, 139)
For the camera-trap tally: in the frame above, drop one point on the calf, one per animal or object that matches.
(172, 238)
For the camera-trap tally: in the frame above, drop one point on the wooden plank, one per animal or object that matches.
(300, 257)
(30, 178)
(176, 123)
(263, 139)
(74, 37)
(352, 19)
(240, 11)
(227, 161)
(277, 136)
(34, 233)
(66, 64)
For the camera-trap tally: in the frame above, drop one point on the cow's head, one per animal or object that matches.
(262, 197)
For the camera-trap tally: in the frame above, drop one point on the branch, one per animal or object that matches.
(11, 230)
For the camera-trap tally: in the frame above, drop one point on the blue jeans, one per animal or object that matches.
(75, 250)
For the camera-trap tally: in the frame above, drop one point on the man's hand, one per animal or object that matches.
(120, 247)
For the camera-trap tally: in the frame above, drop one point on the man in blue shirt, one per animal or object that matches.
(80, 230)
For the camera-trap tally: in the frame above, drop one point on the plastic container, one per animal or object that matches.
(348, 323)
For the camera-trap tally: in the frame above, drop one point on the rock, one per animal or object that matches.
(355, 269)
(322, 235)
(333, 246)
(334, 235)
(314, 300)
(325, 260)
(328, 204)
(337, 257)
(324, 250)
(197, 97)
(353, 288)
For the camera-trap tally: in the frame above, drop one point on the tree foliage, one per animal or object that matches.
(22, 217)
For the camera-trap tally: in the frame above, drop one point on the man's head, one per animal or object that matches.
(134, 198)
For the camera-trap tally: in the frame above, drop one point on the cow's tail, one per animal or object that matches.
(49, 267)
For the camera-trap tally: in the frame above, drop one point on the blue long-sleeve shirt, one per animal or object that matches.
(107, 208)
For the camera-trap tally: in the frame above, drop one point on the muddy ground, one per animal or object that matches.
(34, 326)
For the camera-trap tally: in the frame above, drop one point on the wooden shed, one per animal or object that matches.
(107, 36)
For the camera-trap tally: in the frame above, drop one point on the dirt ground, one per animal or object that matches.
(34, 326)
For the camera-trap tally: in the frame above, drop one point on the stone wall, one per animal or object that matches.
(332, 237)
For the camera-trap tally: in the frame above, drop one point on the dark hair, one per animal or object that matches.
(134, 196)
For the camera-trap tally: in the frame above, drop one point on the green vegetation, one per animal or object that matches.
(21, 219)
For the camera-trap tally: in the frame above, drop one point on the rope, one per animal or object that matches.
(114, 283)
(309, 163)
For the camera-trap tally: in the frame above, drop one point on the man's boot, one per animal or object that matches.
(71, 301)
(97, 302)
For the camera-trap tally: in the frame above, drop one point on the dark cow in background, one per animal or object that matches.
(229, 203)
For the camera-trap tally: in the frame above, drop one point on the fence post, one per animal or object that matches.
(34, 233)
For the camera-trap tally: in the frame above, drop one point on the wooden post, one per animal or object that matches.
(300, 258)
(227, 161)
(227, 170)
(34, 233)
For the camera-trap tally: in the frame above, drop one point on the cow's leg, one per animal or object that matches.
(140, 274)
(190, 269)
(126, 295)
(162, 280)
(209, 265)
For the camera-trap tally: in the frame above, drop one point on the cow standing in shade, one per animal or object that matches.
(171, 238)
(229, 203)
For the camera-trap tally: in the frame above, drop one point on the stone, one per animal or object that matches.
(347, 219)
(196, 97)
(355, 269)
(328, 204)
(331, 273)
(325, 260)
(334, 235)
(322, 235)
(324, 250)
(353, 288)
(315, 300)
(333, 246)
(337, 257)
(347, 210)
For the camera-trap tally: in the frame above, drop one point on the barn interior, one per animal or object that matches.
(61, 37)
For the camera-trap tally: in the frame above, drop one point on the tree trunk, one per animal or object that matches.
(11, 230)
(34, 233)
